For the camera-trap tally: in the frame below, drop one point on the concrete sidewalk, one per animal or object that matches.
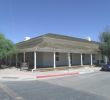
(71, 71)
(14, 74)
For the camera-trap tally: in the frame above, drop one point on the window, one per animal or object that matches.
(71, 57)
(93, 56)
(57, 53)
(83, 56)
(57, 56)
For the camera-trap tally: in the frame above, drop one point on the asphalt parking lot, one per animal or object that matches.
(92, 86)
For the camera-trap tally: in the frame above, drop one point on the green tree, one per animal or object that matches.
(105, 43)
(7, 48)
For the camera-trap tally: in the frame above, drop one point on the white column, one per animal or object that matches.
(69, 60)
(16, 59)
(91, 60)
(24, 56)
(54, 58)
(106, 60)
(81, 59)
(34, 59)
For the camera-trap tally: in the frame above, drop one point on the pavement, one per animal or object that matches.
(90, 86)
(14, 74)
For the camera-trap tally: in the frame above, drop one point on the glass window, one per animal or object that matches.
(93, 56)
(57, 53)
(57, 58)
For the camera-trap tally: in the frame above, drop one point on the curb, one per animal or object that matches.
(46, 76)
(63, 74)
(54, 75)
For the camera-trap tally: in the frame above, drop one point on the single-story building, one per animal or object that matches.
(53, 50)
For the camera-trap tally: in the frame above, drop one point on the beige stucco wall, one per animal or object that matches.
(39, 59)
(76, 59)
(48, 59)
(45, 59)
(63, 60)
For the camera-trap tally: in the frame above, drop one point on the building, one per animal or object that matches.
(53, 50)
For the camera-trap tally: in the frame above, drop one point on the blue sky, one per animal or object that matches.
(77, 18)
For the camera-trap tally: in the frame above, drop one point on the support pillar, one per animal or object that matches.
(54, 58)
(24, 56)
(35, 60)
(81, 59)
(91, 60)
(69, 60)
(106, 60)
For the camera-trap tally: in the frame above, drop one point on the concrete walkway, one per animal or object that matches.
(14, 74)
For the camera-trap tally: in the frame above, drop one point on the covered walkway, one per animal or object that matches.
(52, 50)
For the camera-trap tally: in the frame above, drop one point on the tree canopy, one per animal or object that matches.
(7, 47)
(105, 43)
